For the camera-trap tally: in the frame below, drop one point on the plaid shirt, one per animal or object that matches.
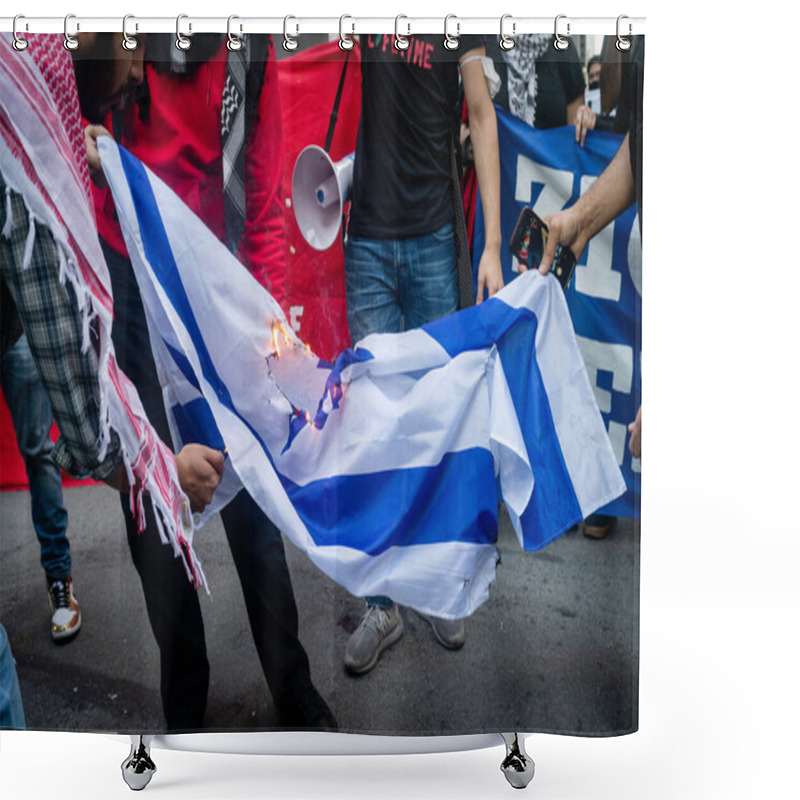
(51, 319)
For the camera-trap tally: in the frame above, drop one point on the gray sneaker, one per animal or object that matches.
(450, 633)
(379, 628)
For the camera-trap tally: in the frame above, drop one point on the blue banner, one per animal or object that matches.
(548, 171)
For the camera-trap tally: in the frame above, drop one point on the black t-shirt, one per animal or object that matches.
(402, 177)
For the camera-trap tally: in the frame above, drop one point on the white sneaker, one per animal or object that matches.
(65, 620)
(379, 628)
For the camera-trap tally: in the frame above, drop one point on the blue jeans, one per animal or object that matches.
(30, 412)
(395, 285)
(11, 714)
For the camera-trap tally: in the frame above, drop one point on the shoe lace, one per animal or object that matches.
(60, 594)
(377, 618)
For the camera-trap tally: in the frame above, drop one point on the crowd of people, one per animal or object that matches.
(207, 121)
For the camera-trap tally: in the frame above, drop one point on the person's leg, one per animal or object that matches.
(172, 603)
(429, 291)
(32, 418)
(30, 412)
(371, 283)
(373, 306)
(11, 712)
(428, 286)
(260, 559)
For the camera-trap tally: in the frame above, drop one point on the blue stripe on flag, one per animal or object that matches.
(182, 363)
(159, 254)
(553, 507)
(196, 424)
(440, 501)
(478, 327)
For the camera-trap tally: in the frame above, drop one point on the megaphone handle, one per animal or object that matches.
(344, 226)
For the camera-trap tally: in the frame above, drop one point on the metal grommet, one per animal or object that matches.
(234, 42)
(289, 43)
(345, 42)
(182, 42)
(70, 42)
(401, 42)
(451, 42)
(506, 42)
(623, 45)
(129, 42)
(560, 43)
(19, 42)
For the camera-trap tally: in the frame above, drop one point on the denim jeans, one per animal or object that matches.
(395, 285)
(30, 412)
(11, 714)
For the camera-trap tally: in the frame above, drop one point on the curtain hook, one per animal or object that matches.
(345, 42)
(129, 42)
(19, 43)
(560, 43)
(451, 42)
(401, 42)
(234, 42)
(70, 42)
(623, 45)
(507, 42)
(182, 42)
(289, 42)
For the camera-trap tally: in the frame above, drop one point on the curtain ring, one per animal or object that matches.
(289, 43)
(623, 45)
(506, 42)
(560, 43)
(235, 42)
(70, 42)
(451, 42)
(19, 42)
(401, 42)
(345, 42)
(182, 42)
(129, 42)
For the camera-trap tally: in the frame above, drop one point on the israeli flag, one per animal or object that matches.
(387, 466)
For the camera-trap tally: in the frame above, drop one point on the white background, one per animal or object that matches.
(720, 607)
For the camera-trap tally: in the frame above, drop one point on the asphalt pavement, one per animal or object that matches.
(554, 649)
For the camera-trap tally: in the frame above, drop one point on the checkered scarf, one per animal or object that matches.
(43, 158)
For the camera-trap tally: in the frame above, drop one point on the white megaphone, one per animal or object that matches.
(320, 189)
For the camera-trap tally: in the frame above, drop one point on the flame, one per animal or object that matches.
(275, 345)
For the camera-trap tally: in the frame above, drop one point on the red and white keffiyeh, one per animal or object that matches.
(43, 158)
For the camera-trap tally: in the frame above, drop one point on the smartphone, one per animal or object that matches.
(528, 242)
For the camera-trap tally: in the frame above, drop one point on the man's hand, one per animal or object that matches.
(199, 471)
(90, 134)
(490, 275)
(564, 229)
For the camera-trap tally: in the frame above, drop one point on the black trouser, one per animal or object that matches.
(256, 545)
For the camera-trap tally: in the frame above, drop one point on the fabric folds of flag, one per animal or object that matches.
(387, 466)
